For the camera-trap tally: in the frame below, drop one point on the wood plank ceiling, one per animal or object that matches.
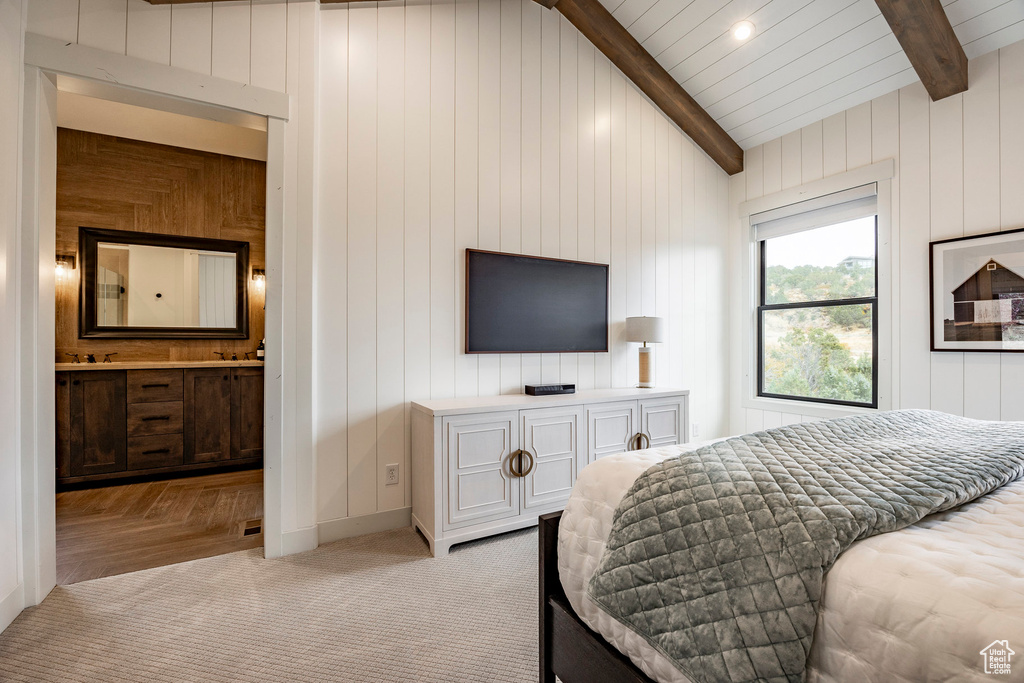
(807, 60)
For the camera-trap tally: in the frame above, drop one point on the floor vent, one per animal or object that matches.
(252, 527)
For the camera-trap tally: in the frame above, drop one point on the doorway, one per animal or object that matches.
(162, 89)
(160, 234)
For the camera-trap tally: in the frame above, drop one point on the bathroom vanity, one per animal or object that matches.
(117, 420)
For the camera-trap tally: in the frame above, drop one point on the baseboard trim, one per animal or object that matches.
(346, 527)
(11, 606)
(298, 541)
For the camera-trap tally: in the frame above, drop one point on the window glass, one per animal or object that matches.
(817, 327)
(833, 262)
(824, 352)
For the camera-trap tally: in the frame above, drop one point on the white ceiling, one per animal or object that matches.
(107, 117)
(808, 59)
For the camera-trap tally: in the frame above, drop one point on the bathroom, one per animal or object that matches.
(159, 312)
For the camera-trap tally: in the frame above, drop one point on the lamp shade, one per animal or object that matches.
(645, 329)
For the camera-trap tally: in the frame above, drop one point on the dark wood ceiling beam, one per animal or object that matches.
(927, 38)
(611, 38)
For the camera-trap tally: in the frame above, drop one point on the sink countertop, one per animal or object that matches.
(158, 365)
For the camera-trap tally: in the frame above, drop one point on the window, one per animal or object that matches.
(817, 314)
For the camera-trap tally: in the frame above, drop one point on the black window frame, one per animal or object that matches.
(763, 307)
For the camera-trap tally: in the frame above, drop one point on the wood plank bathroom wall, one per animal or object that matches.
(119, 184)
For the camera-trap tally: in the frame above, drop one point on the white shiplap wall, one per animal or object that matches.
(441, 126)
(960, 167)
(244, 41)
(491, 124)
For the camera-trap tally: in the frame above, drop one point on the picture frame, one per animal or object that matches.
(977, 293)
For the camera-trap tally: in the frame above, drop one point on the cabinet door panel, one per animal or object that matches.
(552, 437)
(99, 432)
(480, 487)
(247, 413)
(610, 428)
(207, 415)
(663, 421)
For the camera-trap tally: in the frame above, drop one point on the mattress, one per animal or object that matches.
(919, 604)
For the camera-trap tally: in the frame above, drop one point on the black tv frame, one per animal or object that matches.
(607, 300)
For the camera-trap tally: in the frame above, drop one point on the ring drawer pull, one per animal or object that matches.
(161, 417)
(156, 450)
(643, 438)
(155, 386)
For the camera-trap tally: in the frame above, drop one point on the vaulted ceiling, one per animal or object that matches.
(807, 59)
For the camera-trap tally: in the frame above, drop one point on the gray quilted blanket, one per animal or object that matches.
(717, 556)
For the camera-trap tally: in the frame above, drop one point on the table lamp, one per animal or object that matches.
(646, 330)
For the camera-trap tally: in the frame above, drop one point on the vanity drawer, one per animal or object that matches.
(151, 386)
(162, 450)
(145, 419)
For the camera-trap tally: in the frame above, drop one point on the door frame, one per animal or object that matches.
(164, 88)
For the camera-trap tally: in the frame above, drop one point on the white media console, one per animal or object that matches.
(483, 466)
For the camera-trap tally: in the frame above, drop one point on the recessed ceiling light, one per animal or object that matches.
(742, 30)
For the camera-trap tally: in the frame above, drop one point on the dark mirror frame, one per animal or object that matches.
(88, 241)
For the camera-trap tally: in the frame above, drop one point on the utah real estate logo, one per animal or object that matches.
(997, 657)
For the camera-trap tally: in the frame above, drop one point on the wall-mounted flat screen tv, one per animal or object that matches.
(529, 304)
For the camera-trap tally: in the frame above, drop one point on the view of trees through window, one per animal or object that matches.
(818, 303)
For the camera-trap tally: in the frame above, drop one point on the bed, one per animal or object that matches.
(916, 604)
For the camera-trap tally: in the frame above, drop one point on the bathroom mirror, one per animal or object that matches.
(149, 286)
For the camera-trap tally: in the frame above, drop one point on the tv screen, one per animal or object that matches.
(528, 304)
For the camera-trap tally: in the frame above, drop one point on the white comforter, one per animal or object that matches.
(913, 605)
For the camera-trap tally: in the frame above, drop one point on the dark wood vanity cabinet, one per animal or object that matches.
(119, 423)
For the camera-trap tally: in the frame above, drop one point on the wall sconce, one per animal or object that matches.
(259, 277)
(65, 264)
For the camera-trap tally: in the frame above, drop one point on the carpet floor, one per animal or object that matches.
(373, 608)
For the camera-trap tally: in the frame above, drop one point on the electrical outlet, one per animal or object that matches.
(390, 475)
(695, 430)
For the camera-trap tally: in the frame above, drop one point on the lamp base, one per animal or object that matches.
(646, 368)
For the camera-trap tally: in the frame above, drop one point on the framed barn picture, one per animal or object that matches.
(978, 292)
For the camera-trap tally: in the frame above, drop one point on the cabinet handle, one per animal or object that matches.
(225, 376)
(156, 450)
(155, 386)
(642, 442)
(63, 382)
(75, 383)
(161, 417)
(532, 462)
(512, 460)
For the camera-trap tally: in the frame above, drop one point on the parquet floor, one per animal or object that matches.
(119, 529)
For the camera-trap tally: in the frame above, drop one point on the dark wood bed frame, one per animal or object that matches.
(568, 648)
